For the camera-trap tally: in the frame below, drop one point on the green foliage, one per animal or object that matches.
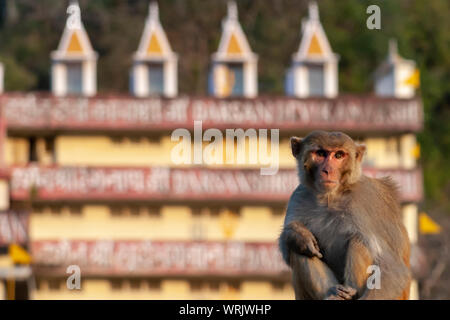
(17, 78)
(426, 38)
(30, 30)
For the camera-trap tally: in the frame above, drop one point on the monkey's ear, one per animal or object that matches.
(360, 150)
(296, 145)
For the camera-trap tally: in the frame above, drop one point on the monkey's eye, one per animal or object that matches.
(339, 154)
(321, 153)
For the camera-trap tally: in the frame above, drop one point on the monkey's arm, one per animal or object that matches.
(313, 279)
(394, 278)
(295, 236)
(298, 239)
(356, 264)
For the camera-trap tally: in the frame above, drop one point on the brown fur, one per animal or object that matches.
(333, 232)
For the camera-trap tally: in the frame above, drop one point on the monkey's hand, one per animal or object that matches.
(340, 292)
(302, 241)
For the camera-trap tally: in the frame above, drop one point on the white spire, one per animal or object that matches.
(233, 48)
(74, 15)
(153, 11)
(393, 48)
(313, 11)
(232, 10)
(74, 46)
(396, 77)
(314, 48)
(154, 49)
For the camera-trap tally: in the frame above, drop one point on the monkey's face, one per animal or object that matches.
(327, 160)
(325, 166)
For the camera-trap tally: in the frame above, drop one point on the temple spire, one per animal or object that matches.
(232, 13)
(393, 48)
(395, 76)
(314, 67)
(74, 15)
(154, 70)
(74, 62)
(234, 65)
(313, 11)
(153, 11)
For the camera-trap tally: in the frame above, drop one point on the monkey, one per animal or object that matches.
(339, 222)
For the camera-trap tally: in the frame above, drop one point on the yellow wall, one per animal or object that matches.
(382, 152)
(138, 151)
(166, 223)
(16, 151)
(4, 195)
(249, 223)
(391, 152)
(107, 151)
(388, 152)
(166, 290)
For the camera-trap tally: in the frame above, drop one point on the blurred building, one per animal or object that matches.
(93, 181)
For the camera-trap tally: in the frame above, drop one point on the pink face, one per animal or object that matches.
(329, 164)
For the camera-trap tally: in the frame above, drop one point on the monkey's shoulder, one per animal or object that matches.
(384, 187)
(379, 194)
(302, 197)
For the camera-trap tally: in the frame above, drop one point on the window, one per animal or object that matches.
(154, 212)
(198, 229)
(135, 284)
(154, 285)
(32, 150)
(74, 78)
(196, 285)
(234, 285)
(115, 211)
(37, 208)
(116, 284)
(278, 286)
(56, 209)
(278, 211)
(386, 83)
(54, 284)
(156, 78)
(237, 75)
(50, 149)
(214, 285)
(134, 211)
(76, 210)
(316, 80)
(21, 290)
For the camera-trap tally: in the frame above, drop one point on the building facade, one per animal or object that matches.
(90, 181)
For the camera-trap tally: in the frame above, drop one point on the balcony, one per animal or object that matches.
(159, 258)
(43, 112)
(175, 184)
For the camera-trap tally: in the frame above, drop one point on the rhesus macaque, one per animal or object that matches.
(339, 222)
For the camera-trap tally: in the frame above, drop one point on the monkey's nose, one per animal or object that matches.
(325, 171)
